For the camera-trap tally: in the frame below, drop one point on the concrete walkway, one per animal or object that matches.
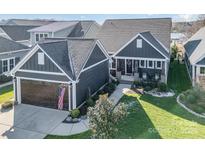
(6, 84)
(119, 92)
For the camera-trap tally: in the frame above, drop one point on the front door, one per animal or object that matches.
(129, 66)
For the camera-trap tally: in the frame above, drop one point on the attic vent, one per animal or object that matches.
(139, 43)
(41, 58)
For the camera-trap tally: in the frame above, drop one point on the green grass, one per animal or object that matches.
(6, 94)
(153, 118)
(178, 78)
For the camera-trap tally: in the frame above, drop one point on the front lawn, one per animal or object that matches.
(6, 94)
(151, 117)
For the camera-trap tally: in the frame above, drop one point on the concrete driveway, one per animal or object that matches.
(29, 122)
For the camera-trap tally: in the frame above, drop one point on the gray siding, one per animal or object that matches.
(32, 64)
(96, 56)
(91, 80)
(41, 76)
(147, 51)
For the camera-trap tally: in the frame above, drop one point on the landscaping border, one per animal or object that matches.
(189, 110)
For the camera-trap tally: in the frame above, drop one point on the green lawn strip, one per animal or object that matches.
(84, 135)
(6, 94)
(178, 78)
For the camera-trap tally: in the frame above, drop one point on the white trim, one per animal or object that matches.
(153, 63)
(99, 44)
(6, 34)
(39, 33)
(9, 52)
(132, 39)
(8, 64)
(140, 66)
(41, 72)
(160, 64)
(14, 87)
(139, 43)
(138, 58)
(93, 65)
(44, 80)
(132, 66)
(200, 71)
(74, 94)
(69, 97)
(29, 55)
(18, 83)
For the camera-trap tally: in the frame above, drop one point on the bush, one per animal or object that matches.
(109, 88)
(90, 102)
(147, 88)
(4, 78)
(7, 105)
(162, 87)
(83, 110)
(191, 99)
(75, 113)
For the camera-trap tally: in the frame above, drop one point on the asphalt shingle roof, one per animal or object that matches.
(70, 54)
(27, 22)
(115, 33)
(190, 46)
(16, 32)
(7, 45)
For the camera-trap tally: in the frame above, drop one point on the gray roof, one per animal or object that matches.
(16, 32)
(54, 27)
(115, 33)
(190, 46)
(70, 54)
(148, 36)
(7, 45)
(201, 62)
(28, 22)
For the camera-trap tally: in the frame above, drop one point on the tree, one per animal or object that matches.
(104, 117)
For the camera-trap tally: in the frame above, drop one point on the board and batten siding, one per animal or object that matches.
(96, 56)
(147, 51)
(32, 64)
(91, 80)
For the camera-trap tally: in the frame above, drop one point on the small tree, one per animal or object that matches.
(104, 117)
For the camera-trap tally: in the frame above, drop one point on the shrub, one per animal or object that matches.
(90, 102)
(75, 113)
(95, 97)
(7, 105)
(162, 87)
(83, 110)
(191, 99)
(138, 84)
(109, 88)
(4, 78)
(147, 88)
(104, 117)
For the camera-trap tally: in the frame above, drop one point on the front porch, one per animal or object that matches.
(139, 69)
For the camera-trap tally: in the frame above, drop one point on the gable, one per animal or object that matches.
(147, 51)
(96, 56)
(32, 64)
(201, 62)
(191, 46)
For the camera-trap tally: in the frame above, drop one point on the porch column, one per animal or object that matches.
(18, 88)
(74, 94)
(193, 75)
(69, 97)
(14, 87)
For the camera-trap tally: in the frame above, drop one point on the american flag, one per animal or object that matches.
(60, 99)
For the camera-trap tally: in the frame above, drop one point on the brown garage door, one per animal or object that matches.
(43, 94)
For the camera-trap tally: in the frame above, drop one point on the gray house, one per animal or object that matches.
(17, 33)
(11, 53)
(195, 57)
(62, 29)
(139, 48)
(78, 65)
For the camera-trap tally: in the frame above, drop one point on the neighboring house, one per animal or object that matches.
(17, 33)
(28, 22)
(178, 38)
(140, 48)
(11, 53)
(195, 57)
(79, 65)
(62, 29)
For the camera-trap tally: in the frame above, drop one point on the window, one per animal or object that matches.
(142, 64)
(139, 43)
(202, 70)
(11, 64)
(8, 65)
(150, 64)
(40, 36)
(113, 63)
(41, 60)
(158, 64)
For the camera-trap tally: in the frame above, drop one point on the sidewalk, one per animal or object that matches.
(6, 84)
(119, 92)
